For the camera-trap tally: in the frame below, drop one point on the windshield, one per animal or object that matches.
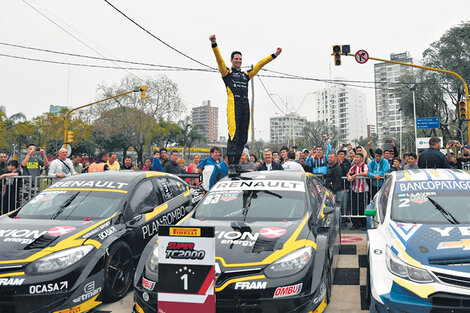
(252, 205)
(431, 202)
(71, 205)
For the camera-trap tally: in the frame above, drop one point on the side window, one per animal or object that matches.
(383, 200)
(171, 187)
(315, 195)
(145, 195)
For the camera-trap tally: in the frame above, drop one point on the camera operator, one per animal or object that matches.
(463, 161)
(32, 165)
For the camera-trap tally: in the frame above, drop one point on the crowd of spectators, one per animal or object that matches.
(343, 171)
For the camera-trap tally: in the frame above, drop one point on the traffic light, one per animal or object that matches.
(345, 49)
(69, 136)
(337, 54)
(143, 89)
(462, 110)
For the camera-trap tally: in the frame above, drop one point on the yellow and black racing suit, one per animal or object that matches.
(238, 108)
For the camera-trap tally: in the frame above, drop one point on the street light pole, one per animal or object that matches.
(413, 88)
(401, 131)
(142, 89)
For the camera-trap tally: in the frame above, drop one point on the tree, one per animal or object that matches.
(314, 134)
(189, 134)
(136, 117)
(439, 94)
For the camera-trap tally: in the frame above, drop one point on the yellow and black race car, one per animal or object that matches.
(277, 240)
(75, 244)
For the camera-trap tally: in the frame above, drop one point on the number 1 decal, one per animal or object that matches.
(184, 278)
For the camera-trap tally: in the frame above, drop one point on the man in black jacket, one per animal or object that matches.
(268, 164)
(334, 178)
(432, 157)
(345, 165)
(172, 166)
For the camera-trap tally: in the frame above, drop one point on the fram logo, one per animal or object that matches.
(463, 244)
(287, 291)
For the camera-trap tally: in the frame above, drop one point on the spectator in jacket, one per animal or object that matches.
(212, 169)
(156, 163)
(378, 166)
(269, 164)
(432, 157)
(319, 162)
(334, 178)
(245, 164)
(172, 166)
(100, 164)
(396, 165)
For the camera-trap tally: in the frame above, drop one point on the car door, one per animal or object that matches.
(176, 195)
(145, 196)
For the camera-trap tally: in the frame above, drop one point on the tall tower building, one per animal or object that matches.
(343, 108)
(389, 118)
(284, 129)
(208, 117)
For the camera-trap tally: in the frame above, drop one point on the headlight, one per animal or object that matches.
(290, 264)
(152, 261)
(399, 268)
(59, 260)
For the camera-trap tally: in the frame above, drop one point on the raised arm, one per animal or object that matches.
(218, 57)
(262, 63)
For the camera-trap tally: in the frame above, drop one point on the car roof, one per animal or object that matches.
(431, 174)
(128, 177)
(270, 175)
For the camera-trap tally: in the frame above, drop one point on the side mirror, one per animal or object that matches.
(370, 213)
(328, 210)
(189, 208)
(147, 209)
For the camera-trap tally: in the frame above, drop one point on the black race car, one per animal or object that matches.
(75, 244)
(277, 241)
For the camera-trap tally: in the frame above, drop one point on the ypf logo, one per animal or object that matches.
(272, 232)
(463, 244)
(60, 230)
(89, 287)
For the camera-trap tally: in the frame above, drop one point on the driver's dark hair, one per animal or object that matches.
(233, 54)
(291, 155)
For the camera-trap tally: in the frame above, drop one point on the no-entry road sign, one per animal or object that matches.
(362, 56)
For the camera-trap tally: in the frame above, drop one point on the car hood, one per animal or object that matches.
(21, 238)
(440, 245)
(240, 243)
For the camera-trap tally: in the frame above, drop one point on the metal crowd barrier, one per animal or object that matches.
(18, 190)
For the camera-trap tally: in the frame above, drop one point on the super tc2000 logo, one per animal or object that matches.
(183, 250)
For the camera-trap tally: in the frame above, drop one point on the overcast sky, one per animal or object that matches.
(306, 30)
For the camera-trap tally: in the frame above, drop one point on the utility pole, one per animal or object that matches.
(253, 115)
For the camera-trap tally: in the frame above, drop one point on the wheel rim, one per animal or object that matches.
(119, 271)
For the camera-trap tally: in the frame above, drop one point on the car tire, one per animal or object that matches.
(118, 274)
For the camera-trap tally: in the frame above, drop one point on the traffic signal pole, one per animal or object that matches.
(142, 89)
(467, 98)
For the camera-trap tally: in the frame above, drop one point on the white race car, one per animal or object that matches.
(419, 250)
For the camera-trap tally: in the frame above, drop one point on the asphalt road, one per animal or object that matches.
(348, 287)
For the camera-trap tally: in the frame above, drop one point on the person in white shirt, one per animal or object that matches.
(291, 165)
(61, 167)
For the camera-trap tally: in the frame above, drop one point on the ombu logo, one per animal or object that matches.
(192, 232)
(183, 250)
(287, 291)
(464, 244)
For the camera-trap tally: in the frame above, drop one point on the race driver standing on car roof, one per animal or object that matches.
(238, 109)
